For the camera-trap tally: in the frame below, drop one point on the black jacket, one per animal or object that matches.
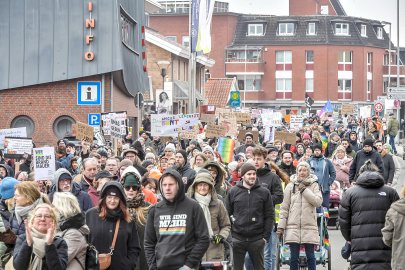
(272, 182)
(251, 212)
(176, 233)
(187, 175)
(219, 180)
(83, 198)
(290, 170)
(360, 159)
(56, 255)
(361, 218)
(389, 168)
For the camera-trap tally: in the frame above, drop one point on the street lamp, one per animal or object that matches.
(389, 54)
(163, 65)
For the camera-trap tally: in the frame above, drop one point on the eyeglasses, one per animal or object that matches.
(42, 216)
(167, 151)
(134, 188)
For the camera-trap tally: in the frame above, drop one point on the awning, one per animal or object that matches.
(181, 90)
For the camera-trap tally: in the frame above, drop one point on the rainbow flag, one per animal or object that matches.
(326, 212)
(326, 243)
(327, 108)
(324, 139)
(225, 149)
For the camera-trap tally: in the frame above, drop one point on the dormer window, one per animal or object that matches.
(364, 30)
(311, 31)
(342, 29)
(380, 33)
(255, 30)
(286, 29)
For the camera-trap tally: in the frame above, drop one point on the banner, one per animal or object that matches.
(225, 148)
(44, 163)
(12, 132)
(288, 138)
(215, 131)
(296, 121)
(83, 132)
(171, 125)
(201, 17)
(117, 116)
(18, 147)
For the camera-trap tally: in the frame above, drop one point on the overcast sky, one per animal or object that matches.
(384, 10)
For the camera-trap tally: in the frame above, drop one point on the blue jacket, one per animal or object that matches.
(324, 170)
(66, 161)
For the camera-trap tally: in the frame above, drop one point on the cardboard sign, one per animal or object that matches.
(227, 119)
(243, 118)
(18, 147)
(44, 163)
(347, 109)
(296, 121)
(242, 133)
(12, 132)
(172, 125)
(117, 116)
(270, 118)
(288, 138)
(208, 118)
(190, 134)
(83, 132)
(215, 131)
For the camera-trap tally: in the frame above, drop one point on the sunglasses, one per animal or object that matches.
(134, 188)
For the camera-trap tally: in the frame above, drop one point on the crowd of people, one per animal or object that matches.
(154, 204)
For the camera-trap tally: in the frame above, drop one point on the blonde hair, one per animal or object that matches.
(66, 204)
(52, 212)
(30, 190)
(403, 190)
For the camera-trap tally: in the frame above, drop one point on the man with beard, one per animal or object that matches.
(287, 163)
(251, 222)
(248, 142)
(347, 145)
(183, 167)
(353, 141)
(362, 156)
(325, 171)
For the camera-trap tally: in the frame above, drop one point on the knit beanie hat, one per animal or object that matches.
(249, 134)
(131, 180)
(208, 149)
(369, 142)
(125, 162)
(146, 163)
(113, 189)
(171, 147)
(317, 146)
(247, 167)
(150, 155)
(304, 164)
(232, 166)
(183, 153)
(155, 174)
(306, 136)
(7, 187)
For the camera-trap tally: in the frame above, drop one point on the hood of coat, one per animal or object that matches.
(263, 171)
(118, 187)
(220, 176)
(202, 177)
(9, 170)
(345, 160)
(130, 169)
(180, 192)
(75, 222)
(309, 180)
(370, 180)
(399, 206)
(57, 175)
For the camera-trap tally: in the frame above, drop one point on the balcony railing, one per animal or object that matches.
(243, 60)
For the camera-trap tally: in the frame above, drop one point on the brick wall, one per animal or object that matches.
(309, 7)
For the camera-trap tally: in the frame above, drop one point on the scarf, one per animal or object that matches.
(21, 212)
(114, 214)
(38, 250)
(204, 202)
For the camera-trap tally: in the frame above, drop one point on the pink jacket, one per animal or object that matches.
(342, 170)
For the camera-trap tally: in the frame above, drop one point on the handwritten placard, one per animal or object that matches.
(208, 118)
(215, 131)
(243, 118)
(288, 138)
(83, 132)
(172, 125)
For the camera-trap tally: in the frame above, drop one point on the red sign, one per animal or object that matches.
(378, 107)
(397, 103)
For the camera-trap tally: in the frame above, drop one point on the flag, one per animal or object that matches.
(308, 101)
(225, 149)
(327, 108)
(201, 18)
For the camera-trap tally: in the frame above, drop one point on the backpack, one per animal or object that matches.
(91, 262)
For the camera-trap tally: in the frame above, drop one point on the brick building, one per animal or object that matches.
(47, 49)
(317, 50)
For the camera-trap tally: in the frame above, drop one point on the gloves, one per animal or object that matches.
(280, 232)
(301, 187)
(217, 239)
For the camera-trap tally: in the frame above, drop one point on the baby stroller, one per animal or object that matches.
(227, 264)
(334, 202)
(323, 253)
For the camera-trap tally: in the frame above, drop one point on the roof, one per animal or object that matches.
(338, 7)
(217, 90)
(325, 31)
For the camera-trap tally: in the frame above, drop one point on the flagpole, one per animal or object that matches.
(191, 66)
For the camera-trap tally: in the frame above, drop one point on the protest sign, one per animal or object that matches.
(269, 134)
(270, 118)
(296, 121)
(115, 128)
(225, 148)
(288, 138)
(44, 163)
(215, 131)
(190, 134)
(347, 109)
(243, 118)
(208, 118)
(83, 132)
(242, 133)
(227, 119)
(172, 125)
(365, 111)
(120, 117)
(18, 147)
(20, 132)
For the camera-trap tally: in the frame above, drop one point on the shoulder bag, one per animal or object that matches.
(104, 259)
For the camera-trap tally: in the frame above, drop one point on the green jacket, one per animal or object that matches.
(393, 126)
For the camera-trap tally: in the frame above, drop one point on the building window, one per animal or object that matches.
(255, 30)
(171, 38)
(186, 41)
(24, 121)
(342, 29)
(283, 88)
(369, 89)
(253, 83)
(286, 29)
(309, 85)
(309, 55)
(380, 33)
(62, 126)
(344, 89)
(311, 29)
(345, 57)
(252, 56)
(283, 60)
(369, 62)
(364, 30)
(128, 26)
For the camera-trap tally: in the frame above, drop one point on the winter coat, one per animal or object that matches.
(219, 180)
(220, 223)
(9, 170)
(298, 212)
(251, 212)
(65, 161)
(324, 170)
(290, 170)
(272, 182)
(359, 161)
(393, 126)
(393, 233)
(362, 216)
(56, 255)
(4, 225)
(176, 233)
(342, 170)
(397, 162)
(330, 149)
(187, 174)
(389, 168)
(74, 231)
(242, 148)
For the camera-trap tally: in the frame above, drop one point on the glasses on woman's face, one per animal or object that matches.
(42, 216)
(128, 188)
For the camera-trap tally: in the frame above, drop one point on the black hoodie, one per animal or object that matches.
(272, 182)
(176, 232)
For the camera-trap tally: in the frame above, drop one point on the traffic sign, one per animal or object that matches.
(234, 100)
(378, 107)
(397, 103)
(88, 93)
(94, 119)
(400, 96)
(396, 90)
